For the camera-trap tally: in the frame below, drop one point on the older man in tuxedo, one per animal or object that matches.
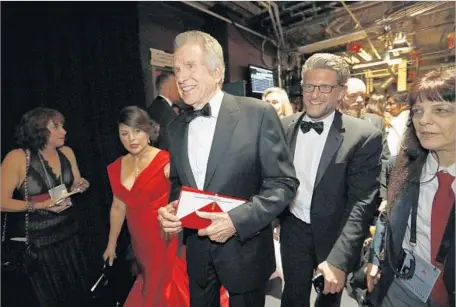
(232, 146)
(337, 161)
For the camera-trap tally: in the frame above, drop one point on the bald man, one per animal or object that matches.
(354, 96)
(353, 104)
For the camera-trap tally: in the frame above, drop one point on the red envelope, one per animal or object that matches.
(193, 221)
(202, 201)
(40, 198)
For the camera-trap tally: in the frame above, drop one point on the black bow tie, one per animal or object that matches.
(191, 114)
(306, 126)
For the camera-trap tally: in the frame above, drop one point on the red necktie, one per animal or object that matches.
(441, 209)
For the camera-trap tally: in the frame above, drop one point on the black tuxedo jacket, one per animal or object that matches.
(161, 112)
(379, 122)
(399, 220)
(346, 184)
(249, 159)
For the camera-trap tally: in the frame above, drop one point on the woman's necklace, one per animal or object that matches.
(137, 169)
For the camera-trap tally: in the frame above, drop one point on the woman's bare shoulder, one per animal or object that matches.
(15, 156)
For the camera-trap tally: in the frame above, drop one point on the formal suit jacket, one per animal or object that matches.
(375, 120)
(379, 122)
(161, 112)
(400, 214)
(249, 159)
(346, 184)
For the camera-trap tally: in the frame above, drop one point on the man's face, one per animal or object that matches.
(275, 100)
(319, 103)
(196, 83)
(354, 98)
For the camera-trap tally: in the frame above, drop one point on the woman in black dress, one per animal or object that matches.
(47, 226)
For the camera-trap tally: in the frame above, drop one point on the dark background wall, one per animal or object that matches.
(81, 58)
(245, 49)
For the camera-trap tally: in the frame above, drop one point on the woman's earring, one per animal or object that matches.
(148, 141)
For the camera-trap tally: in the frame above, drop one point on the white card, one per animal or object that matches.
(192, 200)
(423, 279)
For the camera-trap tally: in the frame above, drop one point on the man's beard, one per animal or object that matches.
(358, 113)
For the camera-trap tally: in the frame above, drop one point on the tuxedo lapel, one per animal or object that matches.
(181, 141)
(332, 144)
(292, 133)
(226, 122)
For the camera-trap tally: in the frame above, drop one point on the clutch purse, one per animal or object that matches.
(101, 285)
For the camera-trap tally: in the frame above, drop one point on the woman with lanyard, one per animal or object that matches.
(41, 224)
(412, 263)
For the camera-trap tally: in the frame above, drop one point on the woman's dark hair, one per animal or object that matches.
(376, 104)
(435, 86)
(135, 117)
(32, 132)
(400, 97)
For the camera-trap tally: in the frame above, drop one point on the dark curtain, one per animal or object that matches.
(81, 58)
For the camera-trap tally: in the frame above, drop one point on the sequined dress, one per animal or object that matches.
(59, 277)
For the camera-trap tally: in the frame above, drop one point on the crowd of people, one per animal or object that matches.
(315, 181)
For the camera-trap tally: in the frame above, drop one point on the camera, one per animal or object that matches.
(318, 282)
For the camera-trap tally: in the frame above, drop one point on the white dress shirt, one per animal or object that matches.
(396, 132)
(200, 135)
(308, 151)
(428, 188)
(167, 100)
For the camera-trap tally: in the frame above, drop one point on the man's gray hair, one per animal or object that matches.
(212, 48)
(327, 61)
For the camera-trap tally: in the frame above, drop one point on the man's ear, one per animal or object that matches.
(218, 73)
(341, 95)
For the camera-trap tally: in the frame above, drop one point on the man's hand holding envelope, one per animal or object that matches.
(200, 210)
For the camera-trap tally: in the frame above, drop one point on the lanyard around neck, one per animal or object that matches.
(49, 183)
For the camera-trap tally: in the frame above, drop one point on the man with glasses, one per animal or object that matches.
(337, 161)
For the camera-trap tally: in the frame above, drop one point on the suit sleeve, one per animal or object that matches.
(384, 157)
(176, 184)
(362, 185)
(279, 180)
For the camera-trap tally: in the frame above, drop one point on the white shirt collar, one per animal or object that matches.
(215, 102)
(431, 167)
(327, 121)
(167, 100)
(403, 116)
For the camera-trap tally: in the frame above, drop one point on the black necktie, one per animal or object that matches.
(306, 126)
(191, 114)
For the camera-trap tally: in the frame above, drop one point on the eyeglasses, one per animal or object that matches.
(322, 88)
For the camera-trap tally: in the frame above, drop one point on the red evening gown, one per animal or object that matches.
(163, 281)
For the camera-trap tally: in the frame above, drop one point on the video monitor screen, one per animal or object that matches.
(261, 79)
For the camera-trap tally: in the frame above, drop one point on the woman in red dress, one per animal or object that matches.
(140, 186)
